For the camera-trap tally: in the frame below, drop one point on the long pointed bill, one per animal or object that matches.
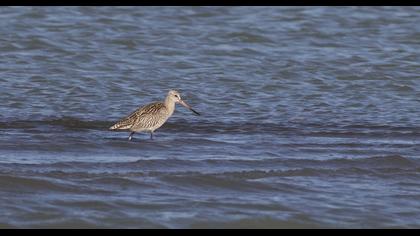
(188, 106)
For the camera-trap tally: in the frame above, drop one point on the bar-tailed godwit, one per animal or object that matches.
(152, 116)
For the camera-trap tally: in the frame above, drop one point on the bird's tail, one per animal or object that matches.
(121, 125)
(113, 127)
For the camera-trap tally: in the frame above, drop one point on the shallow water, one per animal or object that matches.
(309, 117)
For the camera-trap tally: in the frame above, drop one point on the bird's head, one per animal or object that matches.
(175, 96)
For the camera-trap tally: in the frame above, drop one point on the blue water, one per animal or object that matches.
(309, 118)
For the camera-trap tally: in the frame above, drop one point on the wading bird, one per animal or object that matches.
(152, 116)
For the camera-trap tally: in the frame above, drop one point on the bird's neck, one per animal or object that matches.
(170, 105)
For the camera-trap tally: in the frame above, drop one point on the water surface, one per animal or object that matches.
(309, 117)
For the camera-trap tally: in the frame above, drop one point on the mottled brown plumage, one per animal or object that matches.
(152, 116)
(140, 119)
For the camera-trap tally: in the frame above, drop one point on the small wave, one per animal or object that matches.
(255, 223)
(362, 162)
(220, 181)
(41, 183)
(377, 161)
(79, 167)
(32, 183)
(65, 122)
(304, 172)
(63, 223)
(119, 181)
(207, 127)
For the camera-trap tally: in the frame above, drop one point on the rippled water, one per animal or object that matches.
(309, 117)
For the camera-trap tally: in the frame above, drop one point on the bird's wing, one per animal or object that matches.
(152, 115)
(145, 112)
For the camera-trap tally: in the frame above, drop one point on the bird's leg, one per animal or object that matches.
(131, 135)
(151, 135)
